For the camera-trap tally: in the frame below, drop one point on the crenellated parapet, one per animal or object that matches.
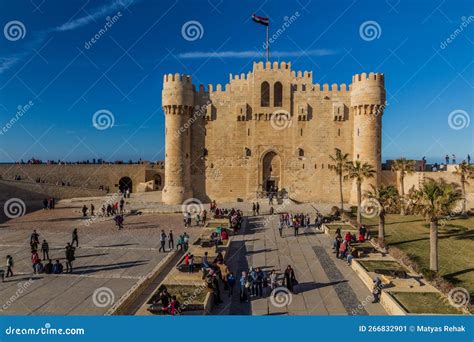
(178, 90)
(368, 90)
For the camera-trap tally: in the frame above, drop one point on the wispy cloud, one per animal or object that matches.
(255, 54)
(97, 13)
(7, 62)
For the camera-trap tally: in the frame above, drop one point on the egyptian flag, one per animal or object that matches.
(261, 20)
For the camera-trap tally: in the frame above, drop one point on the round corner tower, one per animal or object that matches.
(367, 105)
(178, 105)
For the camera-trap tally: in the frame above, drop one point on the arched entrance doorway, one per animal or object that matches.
(158, 182)
(125, 183)
(271, 172)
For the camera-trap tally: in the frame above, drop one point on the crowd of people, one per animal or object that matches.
(46, 265)
(343, 246)
(293, 221)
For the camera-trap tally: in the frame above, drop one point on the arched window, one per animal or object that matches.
(300, 152)
(278, 94)
(265, 94)
(248, 152)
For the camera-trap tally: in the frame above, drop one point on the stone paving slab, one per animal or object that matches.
(106, 258)
(327, 286)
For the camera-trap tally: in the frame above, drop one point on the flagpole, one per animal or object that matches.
(268, 47)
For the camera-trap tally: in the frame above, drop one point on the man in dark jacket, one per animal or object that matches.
(70, 250)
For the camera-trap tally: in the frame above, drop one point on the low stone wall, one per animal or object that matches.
(123, 304)
(90, 176)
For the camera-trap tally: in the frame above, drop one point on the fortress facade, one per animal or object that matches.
(271, 128)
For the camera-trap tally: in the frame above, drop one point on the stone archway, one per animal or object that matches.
(271, 171)
(125, 183)
(157, 182)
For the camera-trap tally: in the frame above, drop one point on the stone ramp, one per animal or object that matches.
(327, 286)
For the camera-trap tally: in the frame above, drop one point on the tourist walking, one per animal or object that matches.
(92, 209)
(259, 278)
(34, 240)
(162, 241)
(34, 260)
(10, 264)
(45, 250)
(280, 228)
(254, 209)
(244, 287)
(122, 203)
(119, 221)
(231, 283)
(75, 238)
(84, 211)
(376, 290)
(273, 280)
(289, 280)
(171, 240)
(257, 208)
(70, 257)
(191, 263)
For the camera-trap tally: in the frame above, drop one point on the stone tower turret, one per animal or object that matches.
(178, 105)
(367, 105)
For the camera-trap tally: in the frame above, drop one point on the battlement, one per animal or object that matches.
(271, 66)
(372, 77)
(177, 78)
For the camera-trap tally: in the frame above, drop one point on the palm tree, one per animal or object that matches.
(386, 198)
(465, 171)
(339, 159)
(405, 167)
(435, 199)
(359, 171)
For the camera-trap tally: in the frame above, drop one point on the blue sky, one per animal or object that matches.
(46, 61)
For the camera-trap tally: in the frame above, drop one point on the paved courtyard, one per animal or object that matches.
(327, 286)
(105, 258)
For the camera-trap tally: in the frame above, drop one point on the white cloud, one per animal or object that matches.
(6, 62)
(97, 13)
(255, 54)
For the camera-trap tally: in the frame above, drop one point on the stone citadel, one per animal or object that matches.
(271, 128)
